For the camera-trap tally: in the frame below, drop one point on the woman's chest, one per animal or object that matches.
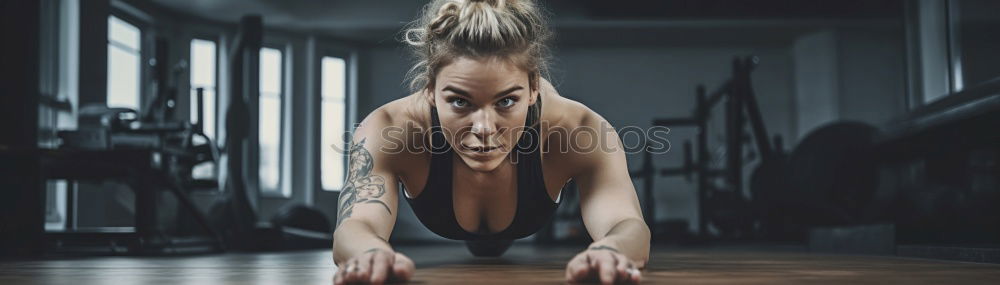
(553, 176)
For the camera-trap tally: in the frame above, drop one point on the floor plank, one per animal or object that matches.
(523, 264)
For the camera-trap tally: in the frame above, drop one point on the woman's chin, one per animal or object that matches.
(483, 165)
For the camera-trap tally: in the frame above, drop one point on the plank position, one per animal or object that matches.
(479, 157)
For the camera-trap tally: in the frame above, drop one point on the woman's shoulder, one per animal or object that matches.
(395, 128)
(409, 111)
(559, 112)
(571, 131)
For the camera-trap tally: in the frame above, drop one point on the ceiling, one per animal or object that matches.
(574, 20)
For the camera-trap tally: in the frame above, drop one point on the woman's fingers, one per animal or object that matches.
(350, 270)
(402, 268)
(343, 274)
(627, 270)
(636, 275)
(376, 267)
(601, 266)
(381, 266)
(578, 268)
(338, 278)
(364, 269)
(606, 267)
(621, 268)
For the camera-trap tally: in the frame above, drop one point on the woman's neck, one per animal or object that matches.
(492, 181)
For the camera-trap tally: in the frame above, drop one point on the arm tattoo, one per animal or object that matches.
(361, 186)
(604, 247)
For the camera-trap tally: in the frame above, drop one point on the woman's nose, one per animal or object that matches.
(484, 124)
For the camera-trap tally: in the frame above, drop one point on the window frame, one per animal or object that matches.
(349, 56)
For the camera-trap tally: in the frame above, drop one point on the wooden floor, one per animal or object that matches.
(523, 264)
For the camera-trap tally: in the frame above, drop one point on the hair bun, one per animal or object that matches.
(447, 17)
(447, 29)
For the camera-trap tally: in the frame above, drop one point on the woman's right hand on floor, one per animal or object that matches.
(376, 266)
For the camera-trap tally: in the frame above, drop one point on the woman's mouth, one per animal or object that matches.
(482, 150)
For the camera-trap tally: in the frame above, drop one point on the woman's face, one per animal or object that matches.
(482, 104)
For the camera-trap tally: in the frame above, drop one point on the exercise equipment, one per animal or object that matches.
(828, 180)
(724, 206)
(298, 227)
(234, 216)
(150, 152)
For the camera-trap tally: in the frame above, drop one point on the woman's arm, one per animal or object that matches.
(608, 199)
(609, 205)
(366, 212)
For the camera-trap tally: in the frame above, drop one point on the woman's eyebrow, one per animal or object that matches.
(508, 91)
(456, 91)
(463, 93)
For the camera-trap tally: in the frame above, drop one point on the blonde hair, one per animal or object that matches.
(514, 30)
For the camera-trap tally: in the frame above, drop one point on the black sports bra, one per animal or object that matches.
(435, 209)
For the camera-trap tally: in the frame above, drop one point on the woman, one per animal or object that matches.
(477, 173)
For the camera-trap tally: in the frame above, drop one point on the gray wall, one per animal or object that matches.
(848, 74)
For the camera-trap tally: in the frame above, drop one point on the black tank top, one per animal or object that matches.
(434, 207)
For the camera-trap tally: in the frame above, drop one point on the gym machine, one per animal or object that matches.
(828, 179)
(725, 207)
(149, 152)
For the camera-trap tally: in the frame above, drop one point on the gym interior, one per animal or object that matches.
(201, 142)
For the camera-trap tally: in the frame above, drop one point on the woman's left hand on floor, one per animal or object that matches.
(604, 264)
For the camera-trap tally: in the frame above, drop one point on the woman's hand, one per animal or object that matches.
(375, 266)
(602, 263)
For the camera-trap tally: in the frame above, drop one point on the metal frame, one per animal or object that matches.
(739, 98)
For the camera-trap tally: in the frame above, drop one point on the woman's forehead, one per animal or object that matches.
(479, 74)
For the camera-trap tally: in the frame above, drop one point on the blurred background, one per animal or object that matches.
(168, 126)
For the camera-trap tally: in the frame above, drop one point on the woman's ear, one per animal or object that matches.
(428, 94)
(533, 83)
(534, 96)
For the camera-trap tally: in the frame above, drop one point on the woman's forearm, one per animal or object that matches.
(354, 237)
(629, 237)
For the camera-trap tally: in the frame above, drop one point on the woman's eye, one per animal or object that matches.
(459, 103)
(506, 102)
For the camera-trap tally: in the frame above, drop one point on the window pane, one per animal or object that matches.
(270, 119)
(976, 41)
(203, 66)
(202, 63)
(123, 33)
(270, 70)
(332, 143)
(123, 78)
(332, 123)
(270, 141)
(333, 78)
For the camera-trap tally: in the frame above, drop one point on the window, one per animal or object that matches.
(973, 42)
(203, 76)
(269, 119)
(333, 121)
(124, 54)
